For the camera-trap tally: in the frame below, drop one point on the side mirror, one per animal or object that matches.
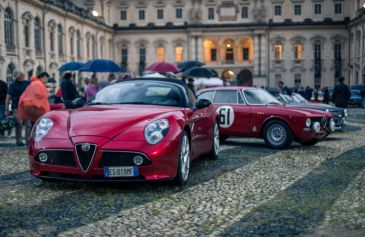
(202, 103)
(77, 103)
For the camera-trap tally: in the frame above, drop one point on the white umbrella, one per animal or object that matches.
(154, 75)
(207, 82)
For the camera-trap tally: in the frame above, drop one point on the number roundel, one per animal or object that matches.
(226, 116)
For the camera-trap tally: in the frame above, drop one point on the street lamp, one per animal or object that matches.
(95, 13)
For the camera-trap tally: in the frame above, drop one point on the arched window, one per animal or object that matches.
(37, 35)
(93, 40)
(27, 35)
(60, 40)
(160, 52)
(101, 47)
(88, 36)
(229, 50)
(278, 49)
(72, 40)
(179, 53)
(9, 74)
(78, 44)
(298, 51)
(9, 29)
(210, 50)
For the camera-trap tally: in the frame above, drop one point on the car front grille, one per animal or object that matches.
(121, 158)
(85, 156)
(58, 157)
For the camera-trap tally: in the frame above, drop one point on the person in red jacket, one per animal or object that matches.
(34, 101)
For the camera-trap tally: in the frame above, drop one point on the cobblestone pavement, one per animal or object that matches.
(250, 191)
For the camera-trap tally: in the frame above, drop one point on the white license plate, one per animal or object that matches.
(122, 171)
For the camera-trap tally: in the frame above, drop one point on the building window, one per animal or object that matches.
(277, 10)
(60, 40)
(72, 43)
(298, 52)
(141, 15)
(88, 46)
(211, 13)
(213, 55)
(229, 53)
(338, 60)
(278, 48)
(26, 36)
(9, 73)
(338, 8)
(297, 10)
(297, 80)
(101, 48)
(178, 13)
(246, 54)
(51, 40)
(123, 15)
(317, 51)
(124, 57)
(9, 28)
(244, 12)
(160, 52)
(78, 44)
(37, 34)
(317, 8)
(179, 54)
(142, 55)
(159, 14)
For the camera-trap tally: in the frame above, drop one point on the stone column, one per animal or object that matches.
(2, 35)
(200, 48)
(256, 55)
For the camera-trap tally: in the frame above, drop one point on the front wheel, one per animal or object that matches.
(277, 134)
(183, 166)
(214, 152)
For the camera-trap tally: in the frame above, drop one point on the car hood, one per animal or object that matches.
(110, 120)
(317, 106)
(302, 111)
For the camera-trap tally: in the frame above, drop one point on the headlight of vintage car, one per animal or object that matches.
(42, 128)
(155, 131)
(308, 122)
(316, 127)
(332, 125)
(345, 112)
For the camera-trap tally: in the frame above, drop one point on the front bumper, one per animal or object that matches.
(162, 160)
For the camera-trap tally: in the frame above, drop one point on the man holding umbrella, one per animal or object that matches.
(69, 92)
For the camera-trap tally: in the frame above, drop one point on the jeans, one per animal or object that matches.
(19, 129)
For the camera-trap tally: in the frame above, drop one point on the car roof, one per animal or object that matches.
(170, 80)
(227, 88)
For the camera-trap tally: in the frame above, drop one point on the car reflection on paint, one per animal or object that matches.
(253, 112)
(135, 130)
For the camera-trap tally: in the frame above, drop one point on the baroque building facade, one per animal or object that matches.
(250, 42)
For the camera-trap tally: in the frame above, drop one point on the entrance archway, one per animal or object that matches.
(245, 78)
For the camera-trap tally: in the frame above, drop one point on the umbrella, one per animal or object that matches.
(70, 66)
(189, 64)
(199, 72)
(205, 82)
(163, 67)
(101, 65)
(154, 75)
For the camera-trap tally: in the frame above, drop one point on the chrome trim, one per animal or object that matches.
(92, 157)
(135, 152)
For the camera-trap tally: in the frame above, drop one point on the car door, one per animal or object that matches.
(233, 112)
(201, 126)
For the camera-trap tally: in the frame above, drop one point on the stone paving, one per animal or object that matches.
(250, 191)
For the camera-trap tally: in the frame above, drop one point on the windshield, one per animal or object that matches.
(260, 97)
(299, 97)
(141, 92)
(355, 93)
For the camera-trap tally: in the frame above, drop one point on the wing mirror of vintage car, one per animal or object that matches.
(202, 103)
(77, 103)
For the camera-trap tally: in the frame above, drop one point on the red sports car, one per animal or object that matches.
(253, 112)
(135, 130)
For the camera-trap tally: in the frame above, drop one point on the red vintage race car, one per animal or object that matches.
(253, 112)
(135, 130)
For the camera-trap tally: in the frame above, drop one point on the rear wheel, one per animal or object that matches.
(310, 143)
(277, 134)
(214, 153)
(183, 166)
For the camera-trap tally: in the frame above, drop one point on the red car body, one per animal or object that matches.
(249, 120)
(117, 131)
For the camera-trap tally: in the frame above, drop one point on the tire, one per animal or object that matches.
(214, 152)
(310, 143)
(277, 134)
(183, 166)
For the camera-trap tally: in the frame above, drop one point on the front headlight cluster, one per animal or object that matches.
(308, 122)
(155, 131)
(42, 128)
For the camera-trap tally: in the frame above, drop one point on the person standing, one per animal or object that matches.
(326, 95)
(283, 88)
(69, 92)
(91, 89)
(34, 101)
(3, 92)
(15, 90)
(341, 94)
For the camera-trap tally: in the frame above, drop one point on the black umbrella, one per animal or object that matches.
(199, 72)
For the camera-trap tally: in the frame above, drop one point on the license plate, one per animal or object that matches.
(123, 171)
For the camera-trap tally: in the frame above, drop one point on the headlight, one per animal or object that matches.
(308, 122)
(155, 131)
(42, 128)
(316, 127)
(332, 125)
(345, 112)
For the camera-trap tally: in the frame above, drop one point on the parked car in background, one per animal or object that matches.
(135, 130)
(298, 101)
(253, 112)
(356, 98)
